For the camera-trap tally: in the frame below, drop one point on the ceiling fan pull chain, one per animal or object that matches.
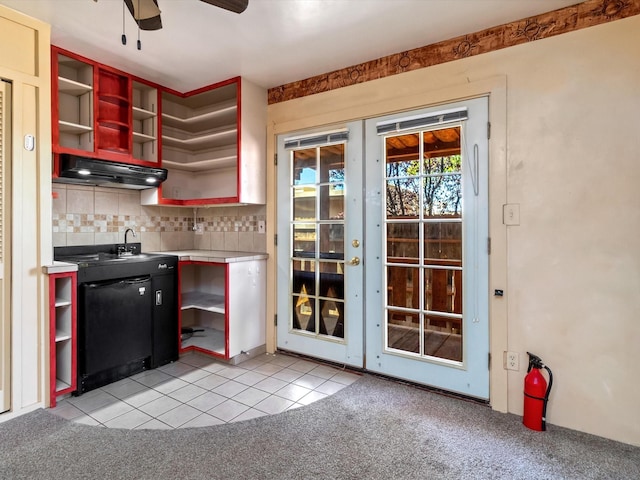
(138, 22)
(124, 37)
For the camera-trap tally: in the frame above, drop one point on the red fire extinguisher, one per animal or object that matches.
(536, 394)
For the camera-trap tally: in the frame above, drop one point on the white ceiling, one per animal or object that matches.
(273, 42)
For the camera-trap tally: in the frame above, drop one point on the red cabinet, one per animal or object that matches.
(211, 140)
(213, 145)
(100, 112)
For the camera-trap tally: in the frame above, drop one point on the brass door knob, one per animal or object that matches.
(354, 261)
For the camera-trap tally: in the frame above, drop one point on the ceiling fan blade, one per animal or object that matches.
(235, 6)
(146, 13)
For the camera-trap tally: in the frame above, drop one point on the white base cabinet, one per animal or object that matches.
(222, 307)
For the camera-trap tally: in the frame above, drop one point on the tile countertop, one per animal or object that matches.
(59, 267)
(215, 256)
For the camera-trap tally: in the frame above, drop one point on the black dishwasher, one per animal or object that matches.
(118, 328)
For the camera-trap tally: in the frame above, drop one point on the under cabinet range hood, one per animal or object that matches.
(103, 173)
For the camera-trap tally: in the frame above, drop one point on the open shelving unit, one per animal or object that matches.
(200, 143)
(224, 303)
(62, 305)
(145, 122)
(203, 307)
(75, 103)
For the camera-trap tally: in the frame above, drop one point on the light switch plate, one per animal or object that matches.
(511, 214)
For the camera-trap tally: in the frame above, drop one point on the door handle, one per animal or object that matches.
(354, 261)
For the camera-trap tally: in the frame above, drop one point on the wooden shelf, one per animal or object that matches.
(69, 127)
(71, 87)
(142, 138)
(203, 301)
(221, 114)
(61, 337)
(210, 339)
(203, 165)
(113, 98)
(208, 140)
(142, 114)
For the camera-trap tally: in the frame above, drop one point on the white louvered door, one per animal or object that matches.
(5, 197)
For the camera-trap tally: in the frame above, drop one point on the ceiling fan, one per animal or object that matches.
(146, 13)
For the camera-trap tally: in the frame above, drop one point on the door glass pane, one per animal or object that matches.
(443, 195)
(443, 290)
(402, 242)
(443, 240)
(304, 167)
(403, 287)
(332, 240)
(304, 289)
(403, 154)
(332, 305)
(304, 240)
(424, 243)
(403, 331)
(331, 202)
(304, 203)
(332, 163)
(403, 198)
(443, 337)
(317, 226)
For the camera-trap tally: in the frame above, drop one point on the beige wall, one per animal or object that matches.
(564, 147)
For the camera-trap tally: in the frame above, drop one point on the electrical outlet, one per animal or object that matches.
(199, 229)
(512, 361)
(261, 226)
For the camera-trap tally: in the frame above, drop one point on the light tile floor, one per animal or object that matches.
(199, 391)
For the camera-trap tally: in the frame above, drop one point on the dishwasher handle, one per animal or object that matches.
(127, 281)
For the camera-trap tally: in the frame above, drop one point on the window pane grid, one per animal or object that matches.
(317, 238)
(423, 229)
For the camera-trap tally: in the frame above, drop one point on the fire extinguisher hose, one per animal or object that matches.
(546, 397)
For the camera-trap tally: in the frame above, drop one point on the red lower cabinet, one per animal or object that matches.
(63, 349)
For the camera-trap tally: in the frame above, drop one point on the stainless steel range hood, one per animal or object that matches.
(102, 173)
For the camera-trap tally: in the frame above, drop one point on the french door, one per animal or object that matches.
(412, 237)
(427, 229)
(320, 287)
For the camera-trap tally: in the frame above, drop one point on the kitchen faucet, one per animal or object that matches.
(126, 251)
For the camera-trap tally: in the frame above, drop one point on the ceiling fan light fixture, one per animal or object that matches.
(235, 6)
(146, 13)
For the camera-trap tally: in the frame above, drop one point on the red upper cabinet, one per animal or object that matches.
(101, 112)
(72, 98)
(211, 140)
(213, 143)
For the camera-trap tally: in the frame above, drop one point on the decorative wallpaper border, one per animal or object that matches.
(557, 22)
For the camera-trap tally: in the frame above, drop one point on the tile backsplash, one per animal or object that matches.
(92, 215)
